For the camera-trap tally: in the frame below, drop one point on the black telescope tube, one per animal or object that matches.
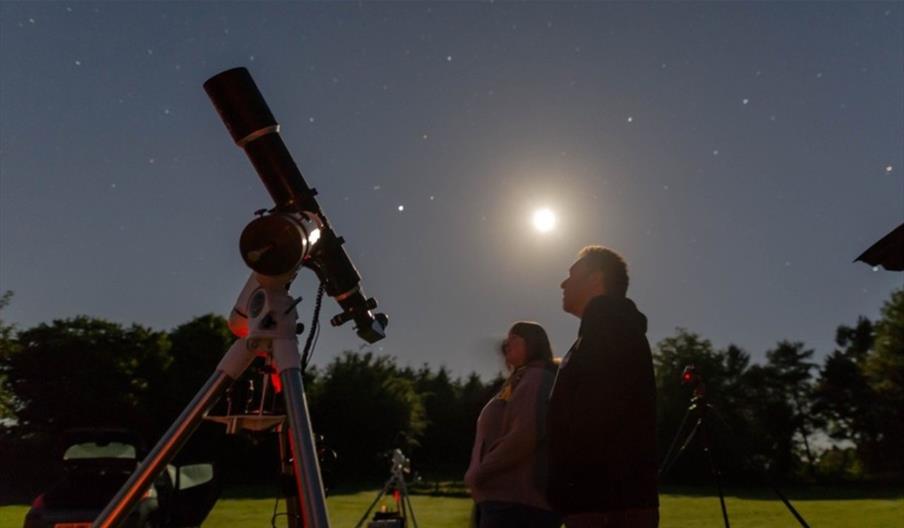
(253, 128)
(239, 102)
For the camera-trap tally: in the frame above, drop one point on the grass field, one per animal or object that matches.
(692, 507)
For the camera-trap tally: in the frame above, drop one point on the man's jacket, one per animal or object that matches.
(601, 423)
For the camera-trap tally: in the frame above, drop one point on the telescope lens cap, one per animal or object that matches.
(273, 245)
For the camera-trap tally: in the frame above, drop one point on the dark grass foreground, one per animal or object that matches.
(823, 507)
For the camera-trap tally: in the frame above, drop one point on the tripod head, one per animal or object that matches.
(691, 377)
(400, 463)
(295, 232)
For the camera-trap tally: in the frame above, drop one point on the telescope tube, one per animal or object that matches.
(253, 128)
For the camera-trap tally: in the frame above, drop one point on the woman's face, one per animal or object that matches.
(515, 349)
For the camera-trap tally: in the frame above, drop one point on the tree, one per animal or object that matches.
(842, 397)
(79, 372)
(752, 421)
(884, 371)
(365, 408)
(791, 381)
(771, 423)
(440, 447)
(196, 349)
(8, 346)
(860, 391)
(84, 372)
(451, 408)
(671, 356)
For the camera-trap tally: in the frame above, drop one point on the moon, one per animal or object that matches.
(544, 220)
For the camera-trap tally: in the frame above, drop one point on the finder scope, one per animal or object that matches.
(253, 128)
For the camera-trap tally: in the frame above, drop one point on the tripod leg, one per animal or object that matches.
(402, 506)
(374, 503)
(667, 464)
(231, 367)
(788, 505)
(407, 498)
(666, 460)
(708, 448)
(287, 480)
(764, 478)
(301, 439)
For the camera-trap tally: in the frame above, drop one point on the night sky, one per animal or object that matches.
(739, 156)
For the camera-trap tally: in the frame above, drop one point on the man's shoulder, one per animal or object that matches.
(604, 309)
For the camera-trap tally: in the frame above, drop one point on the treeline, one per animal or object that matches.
(787, 416)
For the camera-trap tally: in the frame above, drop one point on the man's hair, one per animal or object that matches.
(615, 271)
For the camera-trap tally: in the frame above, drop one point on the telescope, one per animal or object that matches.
(293, 234)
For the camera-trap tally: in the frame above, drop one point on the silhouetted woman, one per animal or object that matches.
(507, 474)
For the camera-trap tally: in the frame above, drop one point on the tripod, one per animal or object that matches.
(700, 409)
(269, 332)
(400, 465)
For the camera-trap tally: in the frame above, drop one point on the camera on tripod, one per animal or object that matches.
(698, 414)
(398, 518)
(690, 377)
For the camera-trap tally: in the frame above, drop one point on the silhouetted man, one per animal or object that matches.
(601, 422)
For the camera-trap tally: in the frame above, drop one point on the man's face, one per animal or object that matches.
(581, 285)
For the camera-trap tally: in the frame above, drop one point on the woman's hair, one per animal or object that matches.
(537, 342)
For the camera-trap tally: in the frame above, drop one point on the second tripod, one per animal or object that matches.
(698, 413)
(399, 518)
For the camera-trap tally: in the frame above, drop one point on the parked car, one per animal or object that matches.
(97, 462)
